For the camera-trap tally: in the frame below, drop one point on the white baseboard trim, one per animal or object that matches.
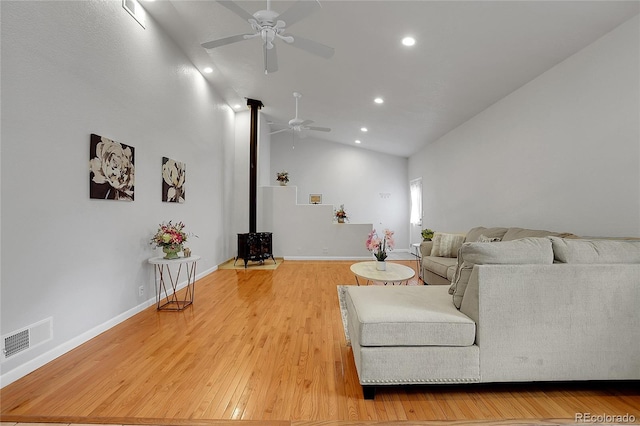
(359, 258)
(32, 365)
(328, 258)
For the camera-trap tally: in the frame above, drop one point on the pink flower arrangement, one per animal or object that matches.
(169, 235)
(379, 246)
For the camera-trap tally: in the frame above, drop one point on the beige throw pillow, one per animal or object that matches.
(526, 251)
(446, 245)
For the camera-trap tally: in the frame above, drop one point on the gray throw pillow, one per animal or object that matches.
(595, 251)
(525, 251)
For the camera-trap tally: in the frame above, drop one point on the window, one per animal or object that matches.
(415, 188)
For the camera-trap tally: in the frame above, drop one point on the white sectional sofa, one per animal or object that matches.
(531, 309)
(439, 255)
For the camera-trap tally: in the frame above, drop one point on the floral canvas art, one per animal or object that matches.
(173, 180)
(111, 169)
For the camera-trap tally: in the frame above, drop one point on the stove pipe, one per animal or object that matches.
(255, 106)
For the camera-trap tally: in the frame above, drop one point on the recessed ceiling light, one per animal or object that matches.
(357, 141)
(378, 100)
(237, 106)
(408, 41)
(208, 70)
(364, 129)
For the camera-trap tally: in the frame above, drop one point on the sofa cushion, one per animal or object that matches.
(524, 251)
(407, 316)
(474, 233)
(425, 248)
(595, 251)
(518, 233)
(440, 265)
(451, 271)
(446, 245)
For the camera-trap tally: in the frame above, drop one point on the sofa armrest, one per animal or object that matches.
(556, 322)
(425, 248)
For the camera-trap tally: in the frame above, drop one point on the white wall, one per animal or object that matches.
(70, 69)
(264, 153)
(241, 177)
(561, 153)
(308, 231)
(373, 187)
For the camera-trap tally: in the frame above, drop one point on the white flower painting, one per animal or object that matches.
(173, 180)
(111, 169)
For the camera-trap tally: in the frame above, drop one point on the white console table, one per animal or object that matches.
(167, 281)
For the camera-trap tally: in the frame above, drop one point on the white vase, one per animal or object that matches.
(381, 265)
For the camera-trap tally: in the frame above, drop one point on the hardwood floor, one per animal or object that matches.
(267, 347)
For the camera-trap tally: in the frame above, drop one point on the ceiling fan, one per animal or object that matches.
(297, 124)
(270, 25)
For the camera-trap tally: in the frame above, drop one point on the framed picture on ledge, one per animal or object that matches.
(315, 198)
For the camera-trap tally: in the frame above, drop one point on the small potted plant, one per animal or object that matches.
(427, 234)
(283, 177)
(340, 214)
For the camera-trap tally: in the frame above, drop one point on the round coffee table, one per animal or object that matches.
(395, 272)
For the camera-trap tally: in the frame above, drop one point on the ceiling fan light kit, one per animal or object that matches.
(270, 25)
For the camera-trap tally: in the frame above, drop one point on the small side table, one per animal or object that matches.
(395, 273)
(415, 247)
(170, 301)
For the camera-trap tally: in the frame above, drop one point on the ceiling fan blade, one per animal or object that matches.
(320, 129)
(224, 41)
(312, 47)
(270, 59)
(273, 123)
(279, 131)
(306, 122)
(301, 9)
(232, 6)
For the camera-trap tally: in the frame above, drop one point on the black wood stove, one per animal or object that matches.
(256, 246)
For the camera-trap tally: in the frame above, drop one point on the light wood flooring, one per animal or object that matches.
(267, 348)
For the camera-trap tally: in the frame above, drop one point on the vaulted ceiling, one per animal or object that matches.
(467, 56)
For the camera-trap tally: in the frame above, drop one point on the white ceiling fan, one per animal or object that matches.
(270, 25)
(297, 124)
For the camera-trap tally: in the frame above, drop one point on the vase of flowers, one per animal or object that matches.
(171, 251)
(283, 177)
(340, 214)
(170, 237)
(379, 247)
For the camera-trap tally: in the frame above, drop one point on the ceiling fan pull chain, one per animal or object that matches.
(266, 65)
